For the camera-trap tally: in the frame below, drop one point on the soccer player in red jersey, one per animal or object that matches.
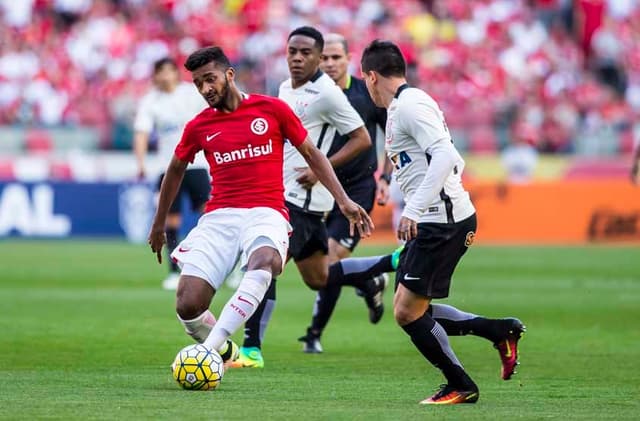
(242, 137)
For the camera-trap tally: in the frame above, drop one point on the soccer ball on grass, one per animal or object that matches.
(198, 368)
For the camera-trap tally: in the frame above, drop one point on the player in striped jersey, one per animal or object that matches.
(357, 178)
(324, 111)
(438, 224)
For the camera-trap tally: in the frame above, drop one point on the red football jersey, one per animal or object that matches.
(244, 149)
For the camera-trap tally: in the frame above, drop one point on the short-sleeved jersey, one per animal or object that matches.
(414, 124)
(244, 149)
(165, 114)
(366, 163)
(324, 110)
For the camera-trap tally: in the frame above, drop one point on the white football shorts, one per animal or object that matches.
(212, 248)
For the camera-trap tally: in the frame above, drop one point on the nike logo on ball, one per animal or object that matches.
(211, 136)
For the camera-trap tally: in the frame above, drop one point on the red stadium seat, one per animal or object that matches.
(597, 168)
(6, 171)
(38, 141)
(626, 142)
(483, 140)
(60, 171)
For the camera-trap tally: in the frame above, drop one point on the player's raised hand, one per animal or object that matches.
(407, 229)
(157, 239)
(307, 178)
(358, 218)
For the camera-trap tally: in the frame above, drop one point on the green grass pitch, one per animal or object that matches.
(87, 333)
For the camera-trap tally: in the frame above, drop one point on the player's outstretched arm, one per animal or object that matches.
(359, 141)
(443, 160)
(168, 190)
(321, 166)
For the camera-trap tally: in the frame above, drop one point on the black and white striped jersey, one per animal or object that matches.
(324, 110)
(427, 166)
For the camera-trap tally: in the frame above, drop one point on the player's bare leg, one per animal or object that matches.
(314, 270)
(174, 220)
(428, 336)
(193, 299)
(193, 296)
(337, 251)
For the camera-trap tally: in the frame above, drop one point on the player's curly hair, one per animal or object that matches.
(207, 55)
(385, 58)
(310, 32)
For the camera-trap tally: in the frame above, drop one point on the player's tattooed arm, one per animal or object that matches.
(320, 165)
(168, 190)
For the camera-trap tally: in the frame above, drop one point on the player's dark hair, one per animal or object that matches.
(385, 58)
(310, 32)
(205, 56)
(165, 61)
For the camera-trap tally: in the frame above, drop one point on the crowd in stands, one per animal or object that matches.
(560, 75)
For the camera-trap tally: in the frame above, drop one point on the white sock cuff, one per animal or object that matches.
(199, 327)
(204, 316)
(255, 283)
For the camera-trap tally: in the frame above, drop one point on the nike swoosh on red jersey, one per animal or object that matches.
(211, 136)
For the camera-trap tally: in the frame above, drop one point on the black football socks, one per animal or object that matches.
(353, 271)
(432, 342)
(327, 298)
(457, 323)
(359, 271)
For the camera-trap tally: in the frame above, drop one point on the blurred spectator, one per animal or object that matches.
(521, 157)
(635, 162)
(489, 63)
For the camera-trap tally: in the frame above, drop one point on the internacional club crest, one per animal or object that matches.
(259, 126)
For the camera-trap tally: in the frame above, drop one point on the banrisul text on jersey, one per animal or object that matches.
(243, 153)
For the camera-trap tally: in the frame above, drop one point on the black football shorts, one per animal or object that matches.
(428, 261)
